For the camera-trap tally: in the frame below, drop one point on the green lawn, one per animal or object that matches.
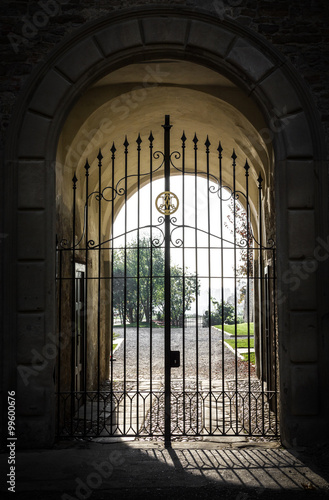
(242, 328)
(115, 346)
(252, 357)
(242, 343)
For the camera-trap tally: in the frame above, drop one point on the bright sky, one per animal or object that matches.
(195, 211)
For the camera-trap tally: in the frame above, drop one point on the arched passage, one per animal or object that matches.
(253, 65)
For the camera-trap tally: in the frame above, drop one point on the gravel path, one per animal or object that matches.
(202, 349)
(191, 413)
(205, 351)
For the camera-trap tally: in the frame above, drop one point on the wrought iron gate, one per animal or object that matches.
(150, 312)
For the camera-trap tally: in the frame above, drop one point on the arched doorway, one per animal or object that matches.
(171, 261)
(254, 66)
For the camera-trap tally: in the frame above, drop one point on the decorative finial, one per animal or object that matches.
(139, 140)
(246, 167)
(100, 157)
(113, 150)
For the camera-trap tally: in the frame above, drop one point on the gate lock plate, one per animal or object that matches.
(174, 359)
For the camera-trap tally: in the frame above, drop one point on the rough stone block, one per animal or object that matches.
(119, 37)
(31, 399)
(33, 136)
(171, 30)
(50, 92)
(31, 184)
(301, 234)
(79, 59)
(208, 37)
(304, 390)
(30, 335)
(34, 433)
(297, 136)
(31, 235)
(300, 281)
(249, 59)
(281, 94)
(31, 286)
(300, 184)
(303, 337)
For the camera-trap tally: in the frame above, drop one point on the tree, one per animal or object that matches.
(132, 279)
(184, 288)
(138, 283)
(243, 233)
(220, 311)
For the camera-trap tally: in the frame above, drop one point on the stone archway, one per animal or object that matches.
(252, 64)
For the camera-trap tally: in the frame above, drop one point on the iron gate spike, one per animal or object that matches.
(113, 150)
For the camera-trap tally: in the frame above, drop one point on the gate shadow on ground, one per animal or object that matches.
(137, 470)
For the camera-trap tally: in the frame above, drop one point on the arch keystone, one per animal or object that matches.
(172, 30)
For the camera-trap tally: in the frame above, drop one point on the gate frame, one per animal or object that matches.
(29, 192)
(69, 423)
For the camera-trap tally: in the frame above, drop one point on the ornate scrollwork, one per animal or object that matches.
(176, 155)
(271, 244)
(91, 244)
(63, 243)
(119, 192)
(158, 242)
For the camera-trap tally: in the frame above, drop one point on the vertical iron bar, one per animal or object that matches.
(195, 140)
(85, 357)
(167, 128)
(99, 157)
(207, 144)
(267, 339)
(246, 167)
(220, 188)
(126, 144)
(151, 139)
(183, 138)
(275, 346)
(74, 180)
(235, 292)
(261, 326)
(113, 150)
(139, 140)
(59, 340)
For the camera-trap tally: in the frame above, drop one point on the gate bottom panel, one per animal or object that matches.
(142, 413)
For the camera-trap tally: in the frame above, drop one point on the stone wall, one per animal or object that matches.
(298, 208)
(30, 29)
